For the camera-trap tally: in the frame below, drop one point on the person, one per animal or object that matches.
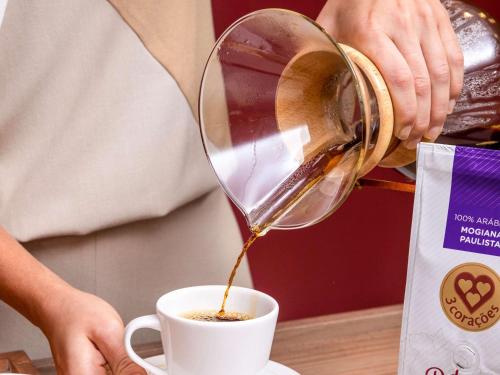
(106, 194)
(107, 199)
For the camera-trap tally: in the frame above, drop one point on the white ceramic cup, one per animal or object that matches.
(194, 347)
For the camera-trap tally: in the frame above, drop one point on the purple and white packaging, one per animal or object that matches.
(452, 299)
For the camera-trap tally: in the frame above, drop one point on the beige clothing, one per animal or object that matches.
(94, 132)
(179, 33)
(132, 265)
(101, 164)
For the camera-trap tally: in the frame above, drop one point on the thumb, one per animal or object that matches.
(110, 343)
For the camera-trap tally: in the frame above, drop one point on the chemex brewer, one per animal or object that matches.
(291, 120)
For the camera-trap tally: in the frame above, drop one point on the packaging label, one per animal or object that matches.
(451, 319)
(473, 222)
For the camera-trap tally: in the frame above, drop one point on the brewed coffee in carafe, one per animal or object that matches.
(270, 167)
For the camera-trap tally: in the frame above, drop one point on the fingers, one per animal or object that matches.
(439, 72)
(78, 357)
(109, 341)
(399, 79)
(409, 46)
(453, 53)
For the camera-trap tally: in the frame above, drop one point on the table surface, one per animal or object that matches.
(364, 342)
(17, 362)
(353, 343)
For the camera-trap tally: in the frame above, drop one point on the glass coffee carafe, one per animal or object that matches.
(291, 119)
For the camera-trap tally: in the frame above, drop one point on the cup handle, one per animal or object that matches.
(148, 321)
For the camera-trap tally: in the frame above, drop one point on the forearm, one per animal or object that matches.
(25, 283)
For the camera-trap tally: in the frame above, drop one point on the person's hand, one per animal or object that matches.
(415, 48)
(86, 335)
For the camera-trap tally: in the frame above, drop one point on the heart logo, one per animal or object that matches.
(465, 285)
(474, 291)
(483, 288)
(470, 297)
(473, 298)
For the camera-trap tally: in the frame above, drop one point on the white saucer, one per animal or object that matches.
(272, 368)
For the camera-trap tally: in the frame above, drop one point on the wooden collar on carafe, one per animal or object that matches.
(387, 151)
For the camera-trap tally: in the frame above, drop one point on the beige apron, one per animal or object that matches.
(102, 172)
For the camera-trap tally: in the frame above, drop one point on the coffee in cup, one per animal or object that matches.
(215, 316)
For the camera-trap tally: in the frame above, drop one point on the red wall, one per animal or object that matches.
(356, 258)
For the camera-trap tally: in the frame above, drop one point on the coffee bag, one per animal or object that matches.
(452, 300)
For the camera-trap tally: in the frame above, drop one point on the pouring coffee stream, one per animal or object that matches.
(292, 121)
(222, 312)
